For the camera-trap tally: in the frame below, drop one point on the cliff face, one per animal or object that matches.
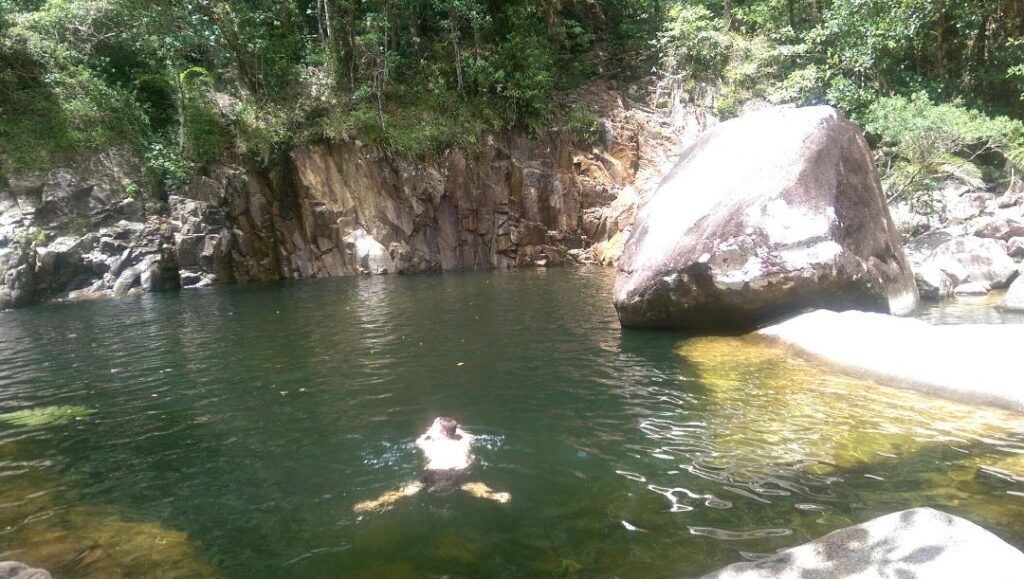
(333, 209)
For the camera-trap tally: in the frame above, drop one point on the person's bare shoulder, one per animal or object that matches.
(423, 440)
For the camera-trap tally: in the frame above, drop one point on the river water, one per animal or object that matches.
(229, 432)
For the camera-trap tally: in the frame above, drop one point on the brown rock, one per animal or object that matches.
(1001, 228)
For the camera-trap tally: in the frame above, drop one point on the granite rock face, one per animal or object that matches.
(921, 543)
(333, 209)
(765, 215)
(971, 259)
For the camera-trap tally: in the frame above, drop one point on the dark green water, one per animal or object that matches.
(234, 429)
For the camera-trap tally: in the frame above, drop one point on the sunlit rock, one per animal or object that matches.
(1014, 299)
(973, 259)
(1001, 227)
(920, 542)
(764, 215)
(967, 362)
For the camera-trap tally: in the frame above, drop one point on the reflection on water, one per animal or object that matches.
(230, 432)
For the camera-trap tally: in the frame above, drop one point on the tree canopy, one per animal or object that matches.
(182, 81)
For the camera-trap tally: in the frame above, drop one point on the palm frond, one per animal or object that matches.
(899, 177)
(960, 169)
(1014, 153)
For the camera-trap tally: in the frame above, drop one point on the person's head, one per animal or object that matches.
(446, 426)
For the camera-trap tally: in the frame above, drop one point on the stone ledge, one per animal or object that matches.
(973, 363)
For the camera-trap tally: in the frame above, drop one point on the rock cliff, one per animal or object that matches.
(331, 209)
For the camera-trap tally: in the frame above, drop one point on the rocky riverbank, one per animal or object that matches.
(970, 244)
(330, 209)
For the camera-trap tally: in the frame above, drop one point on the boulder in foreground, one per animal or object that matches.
(766, 215)
(16, 570)
(921, 543)
(972, 363)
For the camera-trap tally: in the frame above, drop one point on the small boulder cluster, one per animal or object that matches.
(73, 234)
(973, 247)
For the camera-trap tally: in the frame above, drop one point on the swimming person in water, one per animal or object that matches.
(448, 453)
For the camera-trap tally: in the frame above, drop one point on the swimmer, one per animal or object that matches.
(447, 450)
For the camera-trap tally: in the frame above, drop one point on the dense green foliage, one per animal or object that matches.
(182, 81)
(925, 143)
(937, 83)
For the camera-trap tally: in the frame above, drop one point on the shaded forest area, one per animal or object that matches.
(938, 83)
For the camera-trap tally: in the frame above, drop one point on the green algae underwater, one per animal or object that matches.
(229, 432)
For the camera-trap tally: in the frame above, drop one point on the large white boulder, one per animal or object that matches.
(765, 215)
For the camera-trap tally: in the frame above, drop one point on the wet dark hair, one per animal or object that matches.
(448, 426)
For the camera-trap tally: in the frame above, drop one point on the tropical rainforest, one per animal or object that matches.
(938, 84)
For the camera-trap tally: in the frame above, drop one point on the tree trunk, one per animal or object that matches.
(551, 11)
(348, 58)
(321, 26)
(179, 103)
(335, 52)
(453, 24)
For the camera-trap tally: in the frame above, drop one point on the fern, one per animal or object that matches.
(960, 169)
(1014, 153)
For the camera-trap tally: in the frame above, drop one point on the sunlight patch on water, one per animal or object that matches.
(781, 408)
(782, 427)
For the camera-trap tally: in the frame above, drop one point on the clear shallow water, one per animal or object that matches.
(232, 431)
(971, 310)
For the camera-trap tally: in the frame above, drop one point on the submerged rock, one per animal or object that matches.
(45, 415)
(70, 537)
(764, 215)
(922, 542)
(762, 388)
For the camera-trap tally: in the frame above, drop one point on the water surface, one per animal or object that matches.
(229, 432)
